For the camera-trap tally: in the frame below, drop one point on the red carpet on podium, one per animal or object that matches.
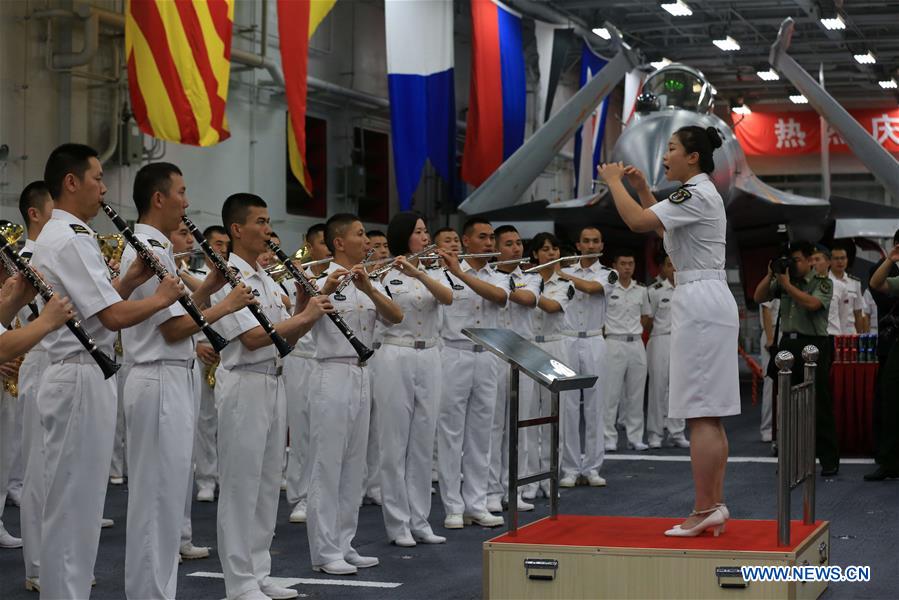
(647, 532)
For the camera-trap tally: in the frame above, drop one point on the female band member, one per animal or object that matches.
(409, 392)
(704, 323)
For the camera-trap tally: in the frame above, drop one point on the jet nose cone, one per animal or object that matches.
(643, 144)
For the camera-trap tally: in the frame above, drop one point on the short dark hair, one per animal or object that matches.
(375, 233)
(65, 159)
(584, 228)
(503, 230)
(215, 230)
(237, 207)
(821, 249)
(152, 178)
(470, 223)
(624, 253)
(806, 248)
(336, 227)
(840, 245)
(313, 229)
(451, 230)
(33, 196)
(702, 141)
(539, 240)
(896, 237)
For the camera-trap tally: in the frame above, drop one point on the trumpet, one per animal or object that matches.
(279, 272)
(412, 256)
(562, 259)
(346, 280)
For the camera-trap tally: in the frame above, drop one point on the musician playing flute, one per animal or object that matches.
(77, 405)
(340, 402)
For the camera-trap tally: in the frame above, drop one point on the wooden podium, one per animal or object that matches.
(580, 557)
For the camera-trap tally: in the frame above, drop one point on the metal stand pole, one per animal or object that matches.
(554, 459)
(784, 362)
(513, 450)
(810, 357)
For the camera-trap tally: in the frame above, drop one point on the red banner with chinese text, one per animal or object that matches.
(792, 133)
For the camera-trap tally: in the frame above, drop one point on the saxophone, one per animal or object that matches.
(11, 384)
(209, 373)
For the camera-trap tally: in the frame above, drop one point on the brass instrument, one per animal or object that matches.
(112, 246)
(209, 373)
(279, 272)
(11, 384)
(13, 233)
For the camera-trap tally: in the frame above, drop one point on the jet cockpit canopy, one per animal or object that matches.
(680, 86)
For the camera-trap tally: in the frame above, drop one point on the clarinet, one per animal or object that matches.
(361, 349)
(217, 341)
(106, 364)
(283, 346)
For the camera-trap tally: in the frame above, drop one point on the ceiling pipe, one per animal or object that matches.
(91, 36)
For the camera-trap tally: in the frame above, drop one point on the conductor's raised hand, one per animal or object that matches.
(636, 178)
(610, 172)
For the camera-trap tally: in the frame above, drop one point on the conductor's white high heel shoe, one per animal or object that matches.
(714, 521)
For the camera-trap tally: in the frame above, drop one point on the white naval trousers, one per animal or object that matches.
(187, 534)
(118, 466)
(205, 455)
(463, 429)
(625, 383)
(17, 465)
(251, 437)
(78, 413)
(339, 410)
(159, 413)
(767, 394)
(32, 507)
(498, 482)
(658, 356)
(8, 407)
(409, 396)
(372, 478)
(297, 370)
(588, 357)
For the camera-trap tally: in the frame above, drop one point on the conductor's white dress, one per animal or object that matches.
(704, 318)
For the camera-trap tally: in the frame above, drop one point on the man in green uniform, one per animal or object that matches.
(887, 454)
(804, 304)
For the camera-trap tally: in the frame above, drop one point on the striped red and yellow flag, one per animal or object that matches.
(179, 63)
(298, 16)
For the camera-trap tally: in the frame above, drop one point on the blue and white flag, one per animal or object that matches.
(422, 95)
(591, 133)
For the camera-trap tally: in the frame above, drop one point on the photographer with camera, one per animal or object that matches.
(887, 452)
(805, 300)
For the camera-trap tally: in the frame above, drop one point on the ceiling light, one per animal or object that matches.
(799, 99)
(741, 110)
(728, 44)
(660, 63)
(833, 23)
(769, 75)
(603, 33)
(678, 8)
(865, 59)
(888, 84)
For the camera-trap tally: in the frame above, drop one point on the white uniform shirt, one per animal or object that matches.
(514, 316)
(24, 315)
(695, 227)
(144, 342)
(305, 345)
(851, 302)
(468, 308)
(420, 314)
(67, 255)
(551, 324)
(660, 304)
(587, 312)
(231, 326)
(870, 310)
(773, 307)
(359, 313)
(626, 305)
(840, 296)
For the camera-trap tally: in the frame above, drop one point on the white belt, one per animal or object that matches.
(269, 367)
(543, 339)
(463, 345)
(410, 343)
(302, 354)
(582, 334)
(683, 277)
(346, 360)
(623, 337)
(187, 363)
(660, 334)
(81, 358)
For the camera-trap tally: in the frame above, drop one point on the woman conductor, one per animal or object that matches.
(704, 323)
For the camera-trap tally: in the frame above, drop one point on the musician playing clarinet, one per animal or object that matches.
(76, 404)
(159, 398)
(252, 417)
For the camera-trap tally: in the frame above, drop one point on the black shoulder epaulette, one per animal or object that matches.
(640, 284)
(570, 291)
(77, 228)
(155, 243)
(851, 276)
(657, 286)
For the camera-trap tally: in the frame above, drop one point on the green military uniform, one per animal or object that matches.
(888, 441)
(800, 328)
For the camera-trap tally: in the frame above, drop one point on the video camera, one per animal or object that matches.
(781, 264)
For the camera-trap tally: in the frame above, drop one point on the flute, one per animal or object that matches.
(107, 365)
(283, 346)
(349, 278)
(414, 255)
(361, 349)
(217, 341)
(562, 259)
